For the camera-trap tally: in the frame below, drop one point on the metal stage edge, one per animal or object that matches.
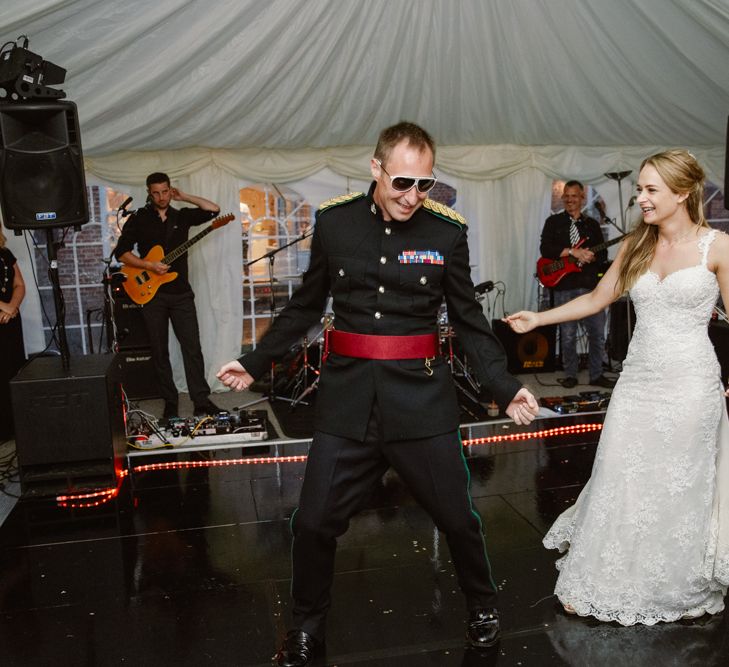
(504, 425)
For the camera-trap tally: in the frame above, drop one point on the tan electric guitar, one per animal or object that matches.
(142, 284)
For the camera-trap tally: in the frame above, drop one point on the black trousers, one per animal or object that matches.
(340, 473)
(180, 310)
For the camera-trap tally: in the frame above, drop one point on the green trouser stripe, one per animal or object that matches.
(291, 554)
(474, 512)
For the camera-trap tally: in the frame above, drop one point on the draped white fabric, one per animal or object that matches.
(222, 93)
(318, 73)
(215, 273)
(504, 206)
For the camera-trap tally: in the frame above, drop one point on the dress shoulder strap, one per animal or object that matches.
(705, 243)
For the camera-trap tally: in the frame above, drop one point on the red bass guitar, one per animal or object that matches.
(550, 271)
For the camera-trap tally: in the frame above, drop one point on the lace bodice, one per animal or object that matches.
(672, 314)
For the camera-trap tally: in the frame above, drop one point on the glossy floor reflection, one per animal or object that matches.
(191, 567)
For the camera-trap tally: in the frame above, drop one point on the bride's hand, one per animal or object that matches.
(521, 322)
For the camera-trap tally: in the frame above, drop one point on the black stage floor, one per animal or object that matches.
(191, 567)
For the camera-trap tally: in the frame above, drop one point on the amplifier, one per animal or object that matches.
(136, 374)
(131, 331)
(532, 352)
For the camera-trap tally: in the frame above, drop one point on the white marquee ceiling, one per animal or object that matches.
(295, 74)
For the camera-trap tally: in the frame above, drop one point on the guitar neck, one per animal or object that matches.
(607, 244)
(182, 249)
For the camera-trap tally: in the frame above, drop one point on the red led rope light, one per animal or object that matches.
(546, 433)
(92, 498)
(180, 465)
(96, 498)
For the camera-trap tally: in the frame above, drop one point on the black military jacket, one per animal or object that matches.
(388, 278)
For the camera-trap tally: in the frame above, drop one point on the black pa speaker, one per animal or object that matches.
(620, 331)
(42, 180)
(532, 352)
(69, 424)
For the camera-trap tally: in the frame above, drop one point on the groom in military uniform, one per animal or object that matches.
(386, 396)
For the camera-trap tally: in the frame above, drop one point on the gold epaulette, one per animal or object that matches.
(444, 212)
(342, 199)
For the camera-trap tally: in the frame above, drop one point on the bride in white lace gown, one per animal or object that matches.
(648, 538)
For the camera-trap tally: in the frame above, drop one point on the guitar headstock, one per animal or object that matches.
(222, 220)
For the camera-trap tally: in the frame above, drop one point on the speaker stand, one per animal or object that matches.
(57, 299)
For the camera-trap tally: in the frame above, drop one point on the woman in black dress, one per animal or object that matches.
(12, 291)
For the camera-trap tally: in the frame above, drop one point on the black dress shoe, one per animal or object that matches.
(568, 382)
(483, 629)
(206, 408)
(603, 381)
(298, 650)
(170, 411)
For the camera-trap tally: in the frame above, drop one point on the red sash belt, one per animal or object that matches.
(364, 346)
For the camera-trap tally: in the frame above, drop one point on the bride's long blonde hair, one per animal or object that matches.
(683, 175)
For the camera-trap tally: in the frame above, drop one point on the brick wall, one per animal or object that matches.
(80, 269)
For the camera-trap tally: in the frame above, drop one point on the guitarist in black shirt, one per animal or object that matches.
(158, 223)
(568, 236)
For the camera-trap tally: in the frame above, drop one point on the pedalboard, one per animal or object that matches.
(223, 423)
(585, 401)
(223, 428)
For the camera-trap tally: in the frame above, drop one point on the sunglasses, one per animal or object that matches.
(405, 183)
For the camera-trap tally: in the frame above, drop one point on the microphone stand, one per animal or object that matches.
(270, 395)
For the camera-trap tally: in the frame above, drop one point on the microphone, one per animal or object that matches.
(126, 203)
(631, 202)
(484, 287)
(600, 207)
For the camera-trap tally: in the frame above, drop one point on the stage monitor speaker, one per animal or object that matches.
(531, 352)
(131, 331)
(136, 373)
(42, 181)
(69, 424)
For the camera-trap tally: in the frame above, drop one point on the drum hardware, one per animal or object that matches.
(483, 293)
(467, 386)
(271, 395)
(309, 373)
(302, 388)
